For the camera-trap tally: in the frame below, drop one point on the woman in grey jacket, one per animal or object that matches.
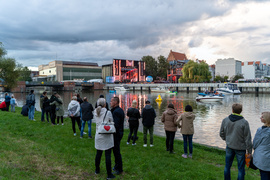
(74, 113)
(261, 145)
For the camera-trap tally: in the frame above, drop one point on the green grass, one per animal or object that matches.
(35, 150)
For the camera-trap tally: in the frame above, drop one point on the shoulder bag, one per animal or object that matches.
(106, 128)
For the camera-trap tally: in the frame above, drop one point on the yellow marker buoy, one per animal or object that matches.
(159, 98)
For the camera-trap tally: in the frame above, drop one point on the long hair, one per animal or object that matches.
(101, 102)
(266, 117)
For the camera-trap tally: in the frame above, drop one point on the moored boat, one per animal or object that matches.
(160, 90)
(229, 89)
(121, 88)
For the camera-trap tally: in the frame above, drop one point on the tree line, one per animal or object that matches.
(11, 71)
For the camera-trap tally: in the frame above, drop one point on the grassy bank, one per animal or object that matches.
(35, 150)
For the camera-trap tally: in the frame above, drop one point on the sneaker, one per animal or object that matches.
(117, 172)
(75, 134)
(90, 137)
(151, 145)
(133, 144)
(34, 120)
(190, 156)
(145, 145)
(127, 143)
(57, 124)
(96, 172)
(84, 133)
(62, 124)
(81, 137)
(184, 155)
(172, 152)
(111, 177)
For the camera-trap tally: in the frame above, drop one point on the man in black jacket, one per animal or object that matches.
(118, 118)
(53, 107)
(87, 116)
(148, 121)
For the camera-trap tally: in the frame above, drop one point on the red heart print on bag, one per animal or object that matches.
(107, 128)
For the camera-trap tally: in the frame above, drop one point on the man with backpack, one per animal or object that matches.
(30, 101)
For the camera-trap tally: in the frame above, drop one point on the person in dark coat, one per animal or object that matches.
(148, 121)
(53, 107)
(107, 106)
(41, 100)
(87, 116)
(24, 111)
(47, 108)
(134, 115)
(79, 99)
(7, 100)
(118, 118)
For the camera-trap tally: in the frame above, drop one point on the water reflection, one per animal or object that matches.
(208, 115)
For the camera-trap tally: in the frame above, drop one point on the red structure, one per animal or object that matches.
(128, 70)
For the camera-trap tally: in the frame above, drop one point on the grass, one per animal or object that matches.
(35, 150)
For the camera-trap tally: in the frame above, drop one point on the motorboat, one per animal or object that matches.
(121, 88)
(229, 89)
(208, 97)
(160, 90)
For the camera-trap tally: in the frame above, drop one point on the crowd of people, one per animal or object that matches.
(234, 129)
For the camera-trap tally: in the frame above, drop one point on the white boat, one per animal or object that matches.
(229, 89)
(160, 90)
(208, 98)
(121, 88)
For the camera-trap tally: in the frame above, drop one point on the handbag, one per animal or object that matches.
(106, 128)
(251, 165)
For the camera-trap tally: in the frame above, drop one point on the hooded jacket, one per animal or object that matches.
(185, 122)
(148, 116)
(261, 145)
(74, 108)
(236, 132)
(169, 118)
(59, 107)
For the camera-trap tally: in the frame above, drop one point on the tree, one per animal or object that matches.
(162, 67)
(236, 77)
(25, 73)
(150, 66)
(219, 78)
(195, 72)
(9, 69)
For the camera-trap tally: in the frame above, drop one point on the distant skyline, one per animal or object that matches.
(38, 32)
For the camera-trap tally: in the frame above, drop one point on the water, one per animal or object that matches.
(208, 115)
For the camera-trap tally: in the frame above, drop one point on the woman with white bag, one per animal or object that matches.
(103, 141)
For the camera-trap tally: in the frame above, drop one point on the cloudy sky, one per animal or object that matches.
(35, 32)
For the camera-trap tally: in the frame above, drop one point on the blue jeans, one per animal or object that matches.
(265, 175)
(240, 156)
(42, 114)
(89, 122)
(31, 112)
(12, 109)
(188, 138)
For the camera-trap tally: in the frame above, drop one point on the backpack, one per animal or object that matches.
(29, 100)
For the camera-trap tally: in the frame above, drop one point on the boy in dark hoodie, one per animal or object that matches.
(236, 132)
(148, 121)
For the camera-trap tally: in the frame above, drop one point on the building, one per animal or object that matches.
(228, 67)
(177, 62)
(254, 69)
(128, 70)
(107, 73)
(69, 70)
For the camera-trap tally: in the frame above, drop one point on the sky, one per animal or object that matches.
(37, 32)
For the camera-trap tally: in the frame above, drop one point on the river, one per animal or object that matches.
(208, 115)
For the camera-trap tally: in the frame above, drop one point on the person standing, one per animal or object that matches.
(169, 118)
(103, 142)
(87, 116)
(185, 122)
(13, 103)
(134, 115)
(236, 132)
(148, 121)
(118, 118)
(59, 109)
(30, 101)
(107, 106)
(53, 107)
(261, 145)
(7, 100)
(41, 100)
(74, 113)
(47, 108)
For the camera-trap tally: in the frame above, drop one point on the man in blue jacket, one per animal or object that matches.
(7, 100)
(118, 118)
(87, 116)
